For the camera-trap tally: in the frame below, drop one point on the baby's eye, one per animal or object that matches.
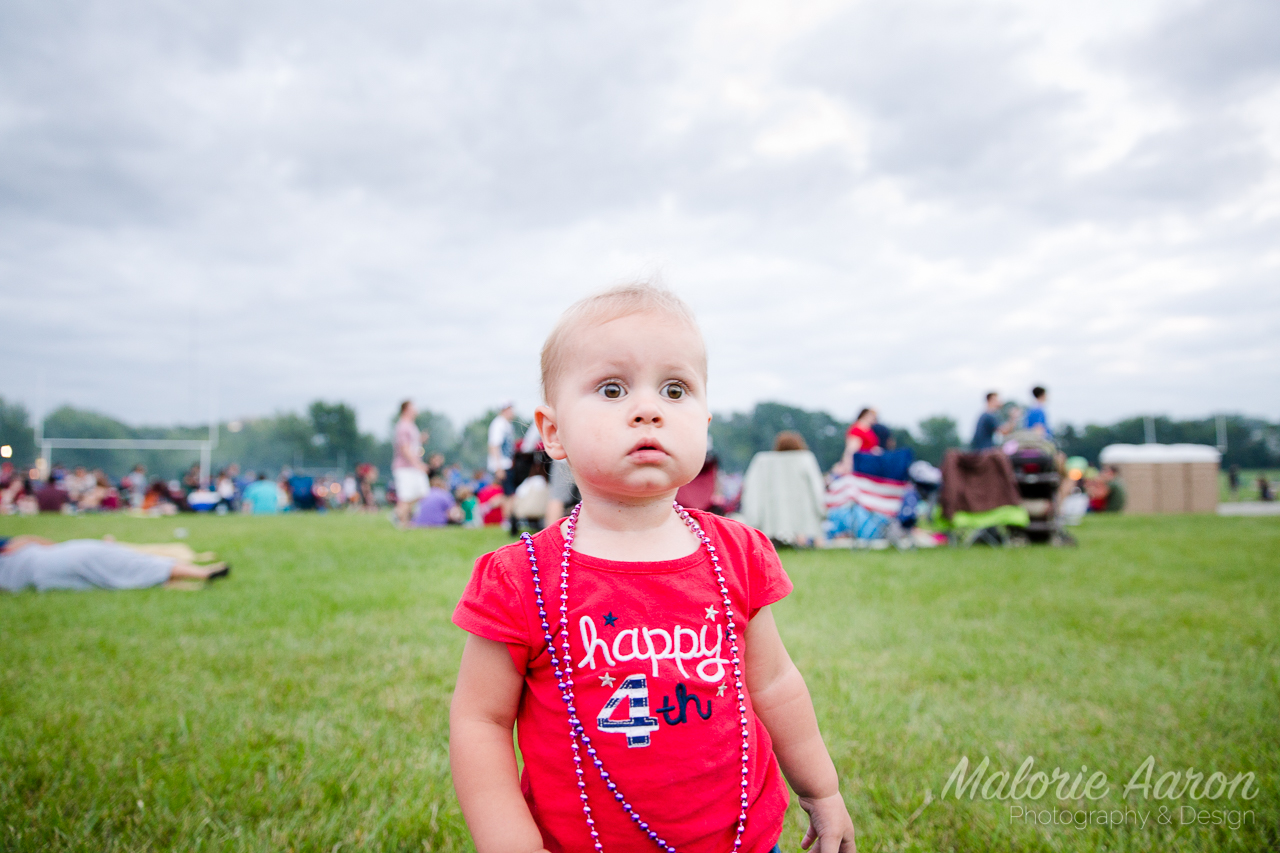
(673, 390)
(611, 390)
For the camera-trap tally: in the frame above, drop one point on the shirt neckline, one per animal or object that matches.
(634, 567)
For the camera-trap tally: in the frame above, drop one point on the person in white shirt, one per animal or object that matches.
(502, 447)
(137, 480)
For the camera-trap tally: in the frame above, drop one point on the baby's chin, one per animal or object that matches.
(642, 491)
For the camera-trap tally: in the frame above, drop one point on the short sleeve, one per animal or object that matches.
(493, 606)
(767, 582)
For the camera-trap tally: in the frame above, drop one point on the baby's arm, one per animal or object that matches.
(481, 754)
(782, 703)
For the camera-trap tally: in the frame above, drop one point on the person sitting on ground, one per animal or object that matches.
(435, 465)
(861, 438)
(562, 491)
(77, 483)
(226, 489)
(136, 483)
(51, 497)
(368, 475)
(531, 497)
(91, 564)
(1106, 491)
(158, 499)
(262, 497)
(18, 491)
(491, 501)
(783, 493)
(1264, 489)
(437, 507)
(467, 503)
(102, 495)
(884, 436)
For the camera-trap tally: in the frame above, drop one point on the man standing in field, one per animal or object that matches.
(407, 467)
(502, 447)
(990, 429)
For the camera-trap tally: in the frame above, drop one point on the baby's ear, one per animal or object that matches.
(545, 418)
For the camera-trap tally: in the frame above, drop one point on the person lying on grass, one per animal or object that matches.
(633, 642)
(91, 564)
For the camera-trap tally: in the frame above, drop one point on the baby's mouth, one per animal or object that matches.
(646, 450)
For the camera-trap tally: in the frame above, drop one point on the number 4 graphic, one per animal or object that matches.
(634, 695)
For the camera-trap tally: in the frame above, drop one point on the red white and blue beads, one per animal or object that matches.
(564, 679)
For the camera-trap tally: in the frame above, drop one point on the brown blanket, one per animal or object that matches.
(977, 482)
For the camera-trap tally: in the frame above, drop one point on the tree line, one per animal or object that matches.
(326, 437)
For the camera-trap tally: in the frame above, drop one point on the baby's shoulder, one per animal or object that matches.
(514, 559)
(730, 532)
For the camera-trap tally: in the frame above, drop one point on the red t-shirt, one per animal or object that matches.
(869, 438)
(656, 631)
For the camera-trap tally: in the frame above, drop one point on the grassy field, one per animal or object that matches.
(302, 705)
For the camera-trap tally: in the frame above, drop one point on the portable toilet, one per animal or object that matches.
(1160, 478)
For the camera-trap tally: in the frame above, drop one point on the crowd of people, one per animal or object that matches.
(77, 490)
(877, 491)
(519, 485)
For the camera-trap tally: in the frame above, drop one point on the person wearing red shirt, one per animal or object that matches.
(628, 627)
(489, 503)
(860, 438)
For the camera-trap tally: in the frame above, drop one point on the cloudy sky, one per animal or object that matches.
(901, 203)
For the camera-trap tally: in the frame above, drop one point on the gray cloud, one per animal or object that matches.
(1212, 51)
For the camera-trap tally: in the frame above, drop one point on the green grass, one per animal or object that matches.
(302, 705)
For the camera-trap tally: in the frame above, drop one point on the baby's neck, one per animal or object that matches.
(629, 532)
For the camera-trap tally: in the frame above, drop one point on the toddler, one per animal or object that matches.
(632, 643)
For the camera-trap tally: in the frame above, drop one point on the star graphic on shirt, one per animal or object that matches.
(609, 619)
(711, 613)
(720, 689)
(607, 680)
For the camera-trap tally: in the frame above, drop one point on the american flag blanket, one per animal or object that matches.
(877, 494)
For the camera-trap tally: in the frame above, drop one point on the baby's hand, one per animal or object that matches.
(829, 825)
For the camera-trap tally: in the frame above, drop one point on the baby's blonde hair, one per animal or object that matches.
(616, 302)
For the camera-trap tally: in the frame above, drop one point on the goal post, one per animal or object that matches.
(206, 447)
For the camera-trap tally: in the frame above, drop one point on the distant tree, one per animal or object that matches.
(937, 435)
(902, 437)
(69, 422)
(1251, 442)
(473, 445)
(737, 437)
(17, 432)
(442, 436)
(336, 424)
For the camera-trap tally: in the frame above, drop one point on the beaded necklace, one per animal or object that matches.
(564, 679)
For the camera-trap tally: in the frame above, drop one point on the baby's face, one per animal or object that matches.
(629, 410)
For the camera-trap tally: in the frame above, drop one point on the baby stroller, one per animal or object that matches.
(980, 499)
(1035, 469)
